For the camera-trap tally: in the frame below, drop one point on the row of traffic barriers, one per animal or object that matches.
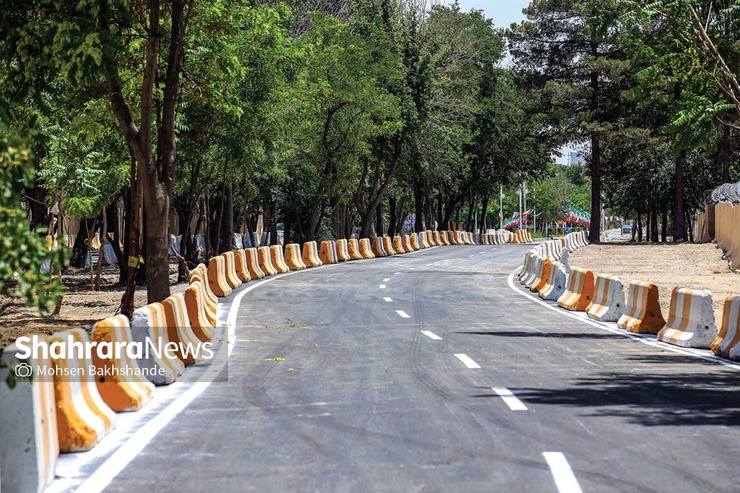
(691, 320)
(70, 402)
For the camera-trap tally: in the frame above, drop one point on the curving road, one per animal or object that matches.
(426, 372)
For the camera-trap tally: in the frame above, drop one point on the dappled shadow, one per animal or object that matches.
(553, 335)
(678, 398)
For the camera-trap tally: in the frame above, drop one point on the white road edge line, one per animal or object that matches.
(117, 462)
(382, 286)
(431, 335)
(565, 480)
(510, 399)
(387, 299)
(467, 361)
(647, 339)
(403, 314)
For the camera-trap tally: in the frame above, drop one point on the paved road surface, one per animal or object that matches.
(358, 378)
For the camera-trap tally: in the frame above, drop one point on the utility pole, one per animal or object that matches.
(501, 207)
(524, 193)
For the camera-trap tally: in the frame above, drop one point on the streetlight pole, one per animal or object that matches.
(501, 207)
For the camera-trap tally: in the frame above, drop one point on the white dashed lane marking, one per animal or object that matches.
(382, 286)
(467, 361)
(386, 279)
(431, 335)
(565, 480)
(387, 299)
(508, 397)
(403, 314)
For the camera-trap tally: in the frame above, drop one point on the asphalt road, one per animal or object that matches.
(358, 378)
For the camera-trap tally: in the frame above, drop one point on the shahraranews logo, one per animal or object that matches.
(32, 347)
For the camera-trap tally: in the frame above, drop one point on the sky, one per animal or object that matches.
(503, 12)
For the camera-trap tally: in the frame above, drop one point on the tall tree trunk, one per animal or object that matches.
(594, 228)
(679, 222)
(654, 224)
(484, 214)
(418, 206)
(132, 248)
(101, 253)
(379, 219)
(393, 215)
(639, 224)
(664, 225)
(227, 220)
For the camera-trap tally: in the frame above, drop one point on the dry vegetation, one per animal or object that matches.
(688, 265)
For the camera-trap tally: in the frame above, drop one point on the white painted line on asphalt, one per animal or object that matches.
(565, 480)
(386, 279)
(429, 264)
(387, 299)
(431, 335)
(647, 339)
(510, 399)
(481, 253)
(396, 273)
(467, 361)
(382, 286)
(403, 314)
(471, 256)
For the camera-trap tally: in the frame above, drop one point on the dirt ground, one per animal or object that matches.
(80, 307)
(686, 265)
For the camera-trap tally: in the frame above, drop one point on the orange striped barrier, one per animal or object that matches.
(690, 319)
(240, 258)
(278, 261)
(378, 247)
(217, 277)
(83, 419)
(121, 385)
(231, 276)
(342, 250)
(542, 275)
(437, 238)
(310, 255)
(178, 328)
(726, 343)
(293, 257)
(354, 250)
(366, 249)
(398, 245)
(210, 300)
(388, 246)
(195, 309)
(253, 264)
(579, 291)
(413, 240)
(419, 240)
(29, 448)
(263, 257)
(148, 324)
(327, 254)
(555, 284)
(608, 303)
(443, 237)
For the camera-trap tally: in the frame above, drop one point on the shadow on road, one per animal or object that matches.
(558, 335)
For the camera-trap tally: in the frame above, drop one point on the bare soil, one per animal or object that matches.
(686, 265)
(81, 306)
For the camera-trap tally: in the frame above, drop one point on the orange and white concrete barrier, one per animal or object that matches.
(278, 261)
(293, 257)
(217, 277)
(353, 248)
(328, 254)
(265, 262)
(726, 343)
(398, 245)
(240, 258)
(690, 319)
(342, 250)
(231, 276)
(179, 330)
(366, 248)
(414, 242)
(579, 291)
(543, 272)
(199, 323)
(83, 419)
(388, 246)
(148, 326)
(379, 247)
(119, 381)
(29, 448)
(444, 237)
(608, 302)
(642, 313)
(210, 300)
(311, 255)
(555, 284)
(253, 264)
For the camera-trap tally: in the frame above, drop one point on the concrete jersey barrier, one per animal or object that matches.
(366, 249)
(690, 319)
(293, 257)
(378, 247)
(253, 265)
(178, 327)
(726, 343)
(240, 258)
(579, 291)
(642, 311)
(342, 250)
(311, 255)
(608, 302)
(277, 259)
(217, 277)
(230, 265)
(327, 253)
(265, 261)
(555, 284)
(148, 324)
